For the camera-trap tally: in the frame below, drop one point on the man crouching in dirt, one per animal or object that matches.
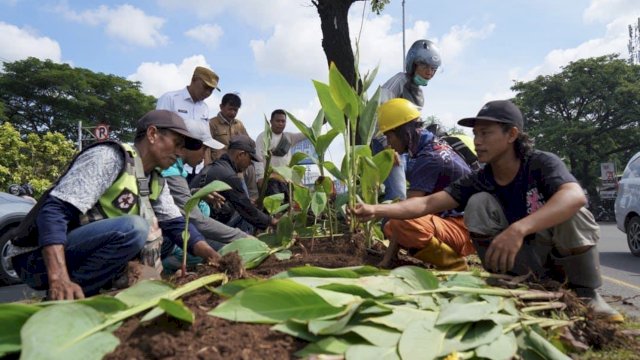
(524, 210)
(440, 239)
(102, 212)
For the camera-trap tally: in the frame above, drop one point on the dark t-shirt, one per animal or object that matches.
(434, 165)
(538, 178)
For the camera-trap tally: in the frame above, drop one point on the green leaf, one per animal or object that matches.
(302, 128)
(104, 304)
(263, 303)
(215, 185)
(375, 334)
(357, 352)
(465, 281)
(177, 309)
(333, 113)
(402, 316)
(477, 334)
(421, 340)
(363, 151)
(542, 347)
(299, 156)
(384, 163)
(249, 249)
(324, 141)
(231, 288)
(333, 170)
(351, 289)
(345, 272)
(504, 348)
(12, 317)
(272, 202)
(418, 278)
(367, 80)
(266, 138)
(366, 124)
(292, 174)
(318, 203)
(329, 345)
(332, 326)
(453, 313)
(296, 329)
(283, 255)
(58, 332)
(302, 196)
(143, 291)
(316, 127)
(343, 94)
(284, 232)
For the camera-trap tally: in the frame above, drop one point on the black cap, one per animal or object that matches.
(244, 143)
(165, 119)
(502, 111)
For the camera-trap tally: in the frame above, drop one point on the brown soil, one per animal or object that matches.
(214, 338)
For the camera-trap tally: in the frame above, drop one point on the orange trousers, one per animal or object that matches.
(417, 233)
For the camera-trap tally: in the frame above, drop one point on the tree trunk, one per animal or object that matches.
(335, 35)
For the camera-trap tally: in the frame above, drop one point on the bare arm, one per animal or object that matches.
(60, 285)
(564, 204)
(407, 209)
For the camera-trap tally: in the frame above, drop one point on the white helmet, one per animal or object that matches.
(422, 51)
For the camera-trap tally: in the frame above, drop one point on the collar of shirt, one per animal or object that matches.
(229, 122)
(186, 96)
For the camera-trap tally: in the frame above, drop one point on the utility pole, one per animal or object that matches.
(404, 50)
(634, 44)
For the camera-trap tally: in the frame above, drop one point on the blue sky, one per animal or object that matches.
(269, 50)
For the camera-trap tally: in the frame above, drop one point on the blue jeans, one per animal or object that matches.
(395, 185)
(95, 254)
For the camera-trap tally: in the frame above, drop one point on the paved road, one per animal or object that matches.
(620, 270)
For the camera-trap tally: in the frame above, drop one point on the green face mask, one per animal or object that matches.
(419, 80)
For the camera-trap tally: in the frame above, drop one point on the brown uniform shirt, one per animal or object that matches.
(222, 129)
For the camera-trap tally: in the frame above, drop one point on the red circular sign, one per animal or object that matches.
(101, 132)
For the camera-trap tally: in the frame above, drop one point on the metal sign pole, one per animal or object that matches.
(404, 51)
(80, 135)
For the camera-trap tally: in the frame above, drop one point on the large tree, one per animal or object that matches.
(588, 113)
(336, 40)
(42, 96)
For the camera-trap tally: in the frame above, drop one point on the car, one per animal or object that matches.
(627, 205)
(12, 210)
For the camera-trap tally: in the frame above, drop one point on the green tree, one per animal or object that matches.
(36, 159)
(587, 114)
(41, 96)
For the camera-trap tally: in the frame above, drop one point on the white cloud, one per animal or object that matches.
(454, 42)
(125, 22)
(157, 78)
(606, 10)
(19, 44)
(208, 34)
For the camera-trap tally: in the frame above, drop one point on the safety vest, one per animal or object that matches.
(122, 197)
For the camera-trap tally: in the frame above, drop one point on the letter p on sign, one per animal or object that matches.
(101, 132)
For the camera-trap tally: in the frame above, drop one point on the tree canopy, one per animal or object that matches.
(42, 96)
(587, 114)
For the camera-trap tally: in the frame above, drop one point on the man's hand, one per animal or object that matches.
(364, 212)
(60, 285)
(206, 252)
(214, 199)
(64, 290)
(501, 255)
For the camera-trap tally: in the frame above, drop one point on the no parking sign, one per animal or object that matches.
(101, 132)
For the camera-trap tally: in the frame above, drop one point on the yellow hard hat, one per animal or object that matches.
(396, 112)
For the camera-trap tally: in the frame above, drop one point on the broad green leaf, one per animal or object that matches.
(368, 79)
(332, 111)
(58, 332)
(318, 203)
(421, 340)
(464, 280)
(293, 174)
(302, 128)
(402, 316)
(12, 317)
(284, 232)
(283, 254)
(333, 170)
(324, 141)
(351, 289)
(231, 288)
(454, 313)
(296, 329)
(263, 303)
(284, 171)
(342, 93)
(143, 291)
(477, 334)
(272, 202)
(299, 156)
(371, 352)
(249, 249)
(384, 163)
(104, 304)
(215, 185)
(374, 287)
(328, 345)
(269, 239)
(543, 347)
(316, 127)
(324, 184)
(363, 151)
(336, 299)
(345, 272)
(375, 334)
(298, 173)
(177, 309)
(302, 197)
(366, 124)
(332, 326)
(368, 182)
(418, 278)
(504, 348)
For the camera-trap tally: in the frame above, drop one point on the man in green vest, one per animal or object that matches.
(107, 209)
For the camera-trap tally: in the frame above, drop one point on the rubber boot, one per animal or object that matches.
(442, 256)
(528, 260)
(583, 276)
